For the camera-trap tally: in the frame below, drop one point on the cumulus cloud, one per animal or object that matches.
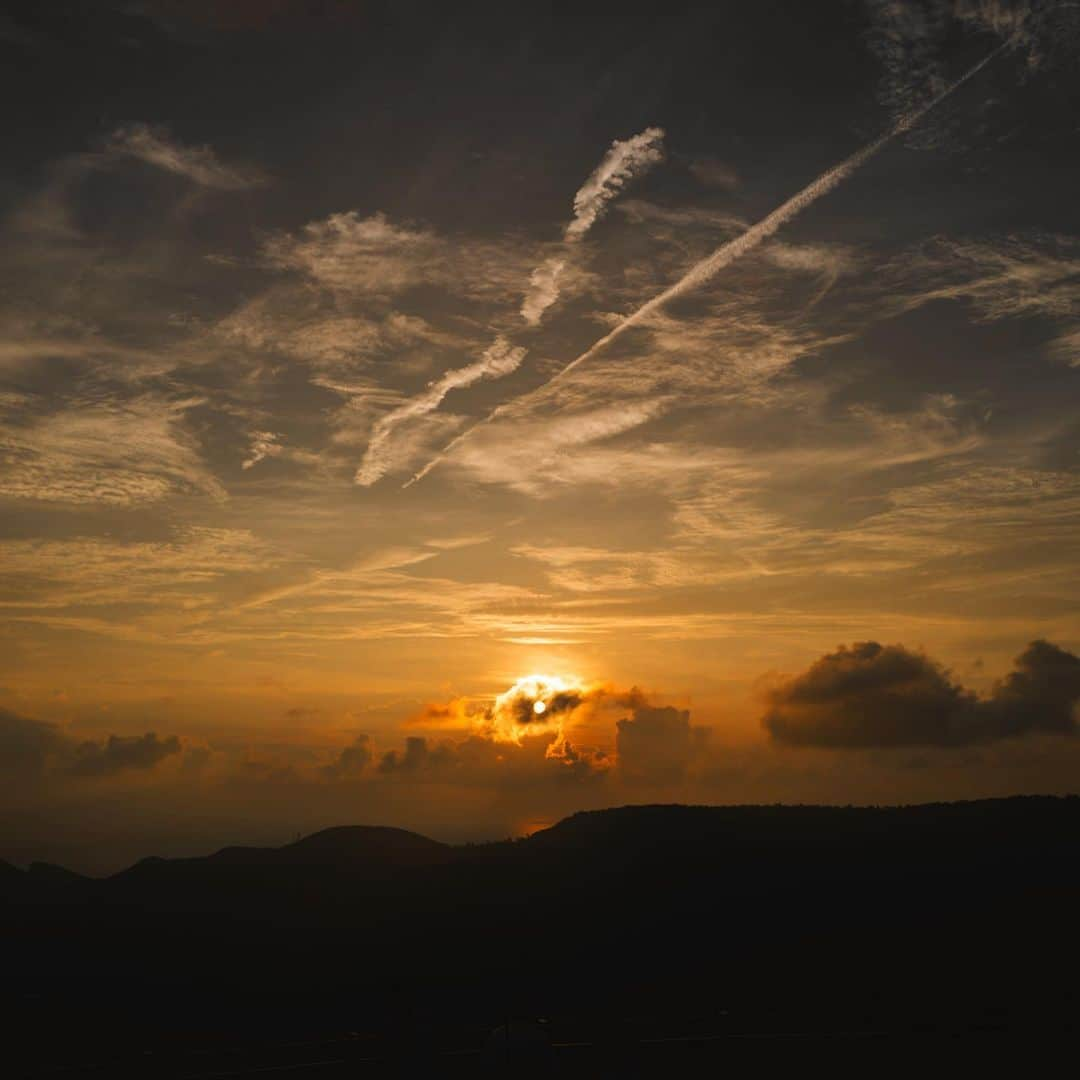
(538, 759)
(122, 752)
(31, 749)
(155, 146)
(656, 744)
(353, 762)
(26, 746)
(535, 705)
(539, 714)
(872, 695)
(416, 755)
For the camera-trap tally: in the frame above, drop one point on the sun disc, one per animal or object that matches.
(539, 707)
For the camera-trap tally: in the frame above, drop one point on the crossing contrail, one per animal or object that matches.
(728, 253)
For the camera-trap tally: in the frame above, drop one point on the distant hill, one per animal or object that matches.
(634, 896)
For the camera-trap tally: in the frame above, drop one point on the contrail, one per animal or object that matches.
(734, 249)
(625, 161)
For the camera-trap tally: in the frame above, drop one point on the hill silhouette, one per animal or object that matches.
(1015, 844)
(938, 906)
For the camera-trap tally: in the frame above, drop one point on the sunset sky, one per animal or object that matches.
(296, 481)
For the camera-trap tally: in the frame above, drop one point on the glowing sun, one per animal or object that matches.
(538, 707)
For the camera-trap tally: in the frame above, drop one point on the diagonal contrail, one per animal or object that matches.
(734, 249)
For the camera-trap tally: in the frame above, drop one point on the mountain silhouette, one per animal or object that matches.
(941, 907)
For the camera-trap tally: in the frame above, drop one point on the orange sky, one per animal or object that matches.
(313, 259)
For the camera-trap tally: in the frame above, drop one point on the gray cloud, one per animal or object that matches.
(888, 696)
(416, 755)
(30, 749)
(353, 761)
(656, 744)
(122, 752)
(26, 745)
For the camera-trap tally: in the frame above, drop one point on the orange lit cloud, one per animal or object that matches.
(535, 705)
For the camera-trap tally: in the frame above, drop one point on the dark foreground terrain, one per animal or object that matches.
(651, 941)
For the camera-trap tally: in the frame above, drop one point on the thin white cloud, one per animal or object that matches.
(705, 270)
(107, 452)
(182, 573)
(625, 160)
(360, 259)
(350, 253)
(1006, 278)
(155, 146)
(543, 290)
(499, 359)
(264, 444)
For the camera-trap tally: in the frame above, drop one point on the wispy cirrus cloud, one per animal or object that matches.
(707, 268)
(543, 290)
(1007, 277)
(499, 359)
(264, 444)
(626, 160)
(156, 146)
(105, 451)
(351, 254)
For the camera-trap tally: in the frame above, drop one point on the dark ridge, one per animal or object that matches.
(367, 841)
(50, 873)
(345, 846)
(9, 872)
(677, 826)
(871, 916)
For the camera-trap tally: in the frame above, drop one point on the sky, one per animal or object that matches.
(373, 373)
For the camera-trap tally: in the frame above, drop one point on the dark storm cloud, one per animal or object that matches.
(872, 695)
(29, 749)
(656, 744)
